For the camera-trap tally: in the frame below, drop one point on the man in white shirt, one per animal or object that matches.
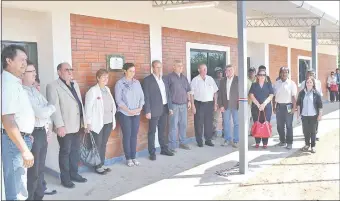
(156, 109)
(18, 120)
(204, 103)
(42, 111)
(284, 105)
(317, 82)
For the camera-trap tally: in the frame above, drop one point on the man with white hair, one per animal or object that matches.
(204, 103)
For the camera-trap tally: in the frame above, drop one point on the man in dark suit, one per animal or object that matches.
(156, 108)
(228, 104)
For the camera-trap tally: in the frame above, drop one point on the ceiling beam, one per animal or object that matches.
(308, 35)
(169, 3)
(283, 22)
(329, 42)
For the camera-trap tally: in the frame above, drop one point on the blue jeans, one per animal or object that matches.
(226, 124)
(15, 175)
(178, 121)
(130, 127)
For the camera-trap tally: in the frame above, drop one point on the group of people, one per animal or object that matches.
(333, 85)
(28, 118)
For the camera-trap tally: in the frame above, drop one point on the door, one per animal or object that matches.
(31, 49)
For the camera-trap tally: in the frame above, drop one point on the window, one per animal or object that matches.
(211, 58)
(304, 65)
(30, 47)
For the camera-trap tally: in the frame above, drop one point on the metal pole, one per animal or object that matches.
(242, 86)
(314, 51)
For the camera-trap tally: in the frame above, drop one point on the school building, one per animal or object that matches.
(86, 34)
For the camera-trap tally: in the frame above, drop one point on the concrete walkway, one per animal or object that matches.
(188, 175)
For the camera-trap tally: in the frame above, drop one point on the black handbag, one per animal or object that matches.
(89, 154)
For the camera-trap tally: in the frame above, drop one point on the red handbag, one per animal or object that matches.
(334, 87)
(261, 130)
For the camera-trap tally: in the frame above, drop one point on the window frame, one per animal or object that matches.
(201, 46)
(298, 67)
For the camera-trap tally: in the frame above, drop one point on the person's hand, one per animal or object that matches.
(189, 105)
(31, 138)
(132, 112)
(261, 107)
(222, 109)
(193, 110)
(49, 135)
(61, 131)
(88, 129)
(319, 117)
(28, 159)
(148, 115)
(171, 112)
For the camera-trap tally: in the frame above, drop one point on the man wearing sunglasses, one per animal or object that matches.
(68, 119)
(284, 104)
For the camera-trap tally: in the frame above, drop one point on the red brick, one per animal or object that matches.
(94, 38)
(277, 58)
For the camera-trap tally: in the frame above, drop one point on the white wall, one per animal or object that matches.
(259, 55)
(205, 20)
(51, 31)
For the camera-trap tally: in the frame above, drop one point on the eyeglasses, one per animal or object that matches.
(30, 71)
(261, 75)
(69, 69)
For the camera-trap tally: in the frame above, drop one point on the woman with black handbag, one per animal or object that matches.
(261, 93)
(100, 109)
(309, 107)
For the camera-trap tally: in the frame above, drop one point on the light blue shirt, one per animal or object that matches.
(129, 94)
(308, 104)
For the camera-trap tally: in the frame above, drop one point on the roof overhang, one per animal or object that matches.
(296, 16)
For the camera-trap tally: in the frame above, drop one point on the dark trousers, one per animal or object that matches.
(203, 120)
(101, 141)
(35, 174)
(160, 123)
(130, 127)
(332, 95)
(261, 119)
(284, 119)
(309, 129)
(69, 156)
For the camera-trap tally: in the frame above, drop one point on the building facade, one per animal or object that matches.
(84, 33)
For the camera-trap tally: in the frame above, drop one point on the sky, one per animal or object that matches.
(330, 7)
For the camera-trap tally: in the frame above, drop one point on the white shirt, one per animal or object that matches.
(317, 86)
(15, 101)
(161, 88)
(284, 91)
(331, 80)
(40, 106)
(203, 90)
(229, 81)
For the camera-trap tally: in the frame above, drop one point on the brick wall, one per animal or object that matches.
(92, 39)
(326, 64)
(174, 48)
(277, 59)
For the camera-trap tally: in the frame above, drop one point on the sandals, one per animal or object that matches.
(305, 148)
(135, 162)
(129, 163)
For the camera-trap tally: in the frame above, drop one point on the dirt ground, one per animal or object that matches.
(302, 176)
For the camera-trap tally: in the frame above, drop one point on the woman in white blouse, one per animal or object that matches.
(100, 110)
(331, 80)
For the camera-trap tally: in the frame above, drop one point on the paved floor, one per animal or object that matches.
(311, 176)
(167, 177)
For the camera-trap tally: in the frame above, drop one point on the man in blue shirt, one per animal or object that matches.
(337, 75)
